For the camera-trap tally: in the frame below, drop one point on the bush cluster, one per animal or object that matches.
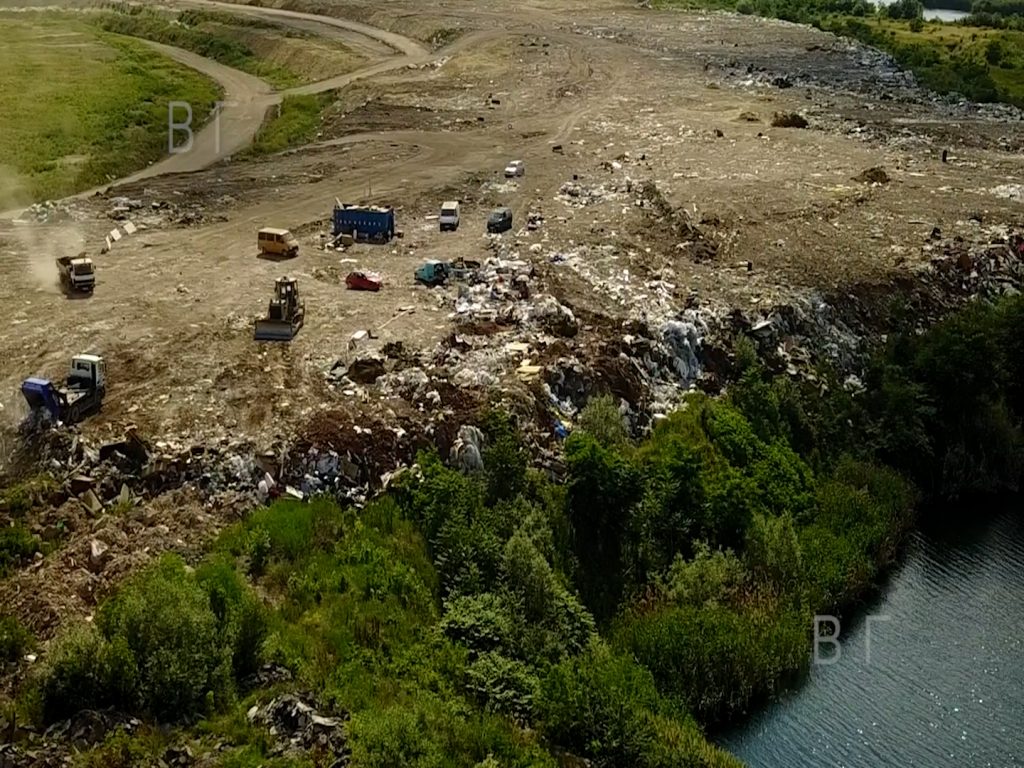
(171, 643)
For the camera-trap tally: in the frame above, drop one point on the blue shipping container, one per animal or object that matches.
(364, 223)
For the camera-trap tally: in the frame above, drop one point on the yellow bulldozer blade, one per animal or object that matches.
(275, 330)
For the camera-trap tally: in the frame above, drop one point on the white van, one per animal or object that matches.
(449, 218)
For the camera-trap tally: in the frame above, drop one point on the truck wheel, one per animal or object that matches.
(74, 414)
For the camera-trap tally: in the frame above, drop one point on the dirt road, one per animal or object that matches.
(398, 42)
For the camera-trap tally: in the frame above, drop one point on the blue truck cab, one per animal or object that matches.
(372, 223)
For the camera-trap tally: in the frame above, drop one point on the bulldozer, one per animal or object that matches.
(285, 314)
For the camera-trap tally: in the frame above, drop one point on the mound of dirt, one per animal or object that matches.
(876, 175)
(788, 120)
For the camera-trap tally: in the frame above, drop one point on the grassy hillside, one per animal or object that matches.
(79, 107)
(206, 34)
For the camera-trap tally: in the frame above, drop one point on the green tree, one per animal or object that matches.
(603, 486)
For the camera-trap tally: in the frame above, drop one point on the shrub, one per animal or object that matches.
(428, 732)
(18, 499)
(601, 419)
(504, 459)
(1010, 341)
(551, 620)
(598, 705)
(17, 546)
(481, 622)
(788, 120)
(680, 744)
(773, 553)
(715, 660)
(241, 617)
(15, 640)
(502, 685)
(167, 643)
(711, 577)
(87, 671)
(164, 619)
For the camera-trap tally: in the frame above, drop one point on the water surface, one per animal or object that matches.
(944, 684)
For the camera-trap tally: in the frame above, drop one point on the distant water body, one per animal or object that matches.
(944, 684)
(934, 14)
(944, 14)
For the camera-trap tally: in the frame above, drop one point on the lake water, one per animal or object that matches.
(934, 14)
(942, 685)
(944, 14)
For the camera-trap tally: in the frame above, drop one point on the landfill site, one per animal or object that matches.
(683, 179)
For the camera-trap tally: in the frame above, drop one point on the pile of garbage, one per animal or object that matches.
(51, 212)
(576, 194)
(298, 728)
(24, 747)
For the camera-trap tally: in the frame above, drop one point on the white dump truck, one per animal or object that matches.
(76, 273)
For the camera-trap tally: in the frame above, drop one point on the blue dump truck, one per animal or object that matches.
(81, 395)
(371, 223)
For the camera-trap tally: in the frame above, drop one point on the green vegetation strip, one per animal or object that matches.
(981, 58)
(296, 123)
(204, 33)
(79, 108)
(498, 619)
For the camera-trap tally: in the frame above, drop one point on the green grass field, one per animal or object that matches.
(79, 107)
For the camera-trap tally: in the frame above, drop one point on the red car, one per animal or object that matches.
(361, 281)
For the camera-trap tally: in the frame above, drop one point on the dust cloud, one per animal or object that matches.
(30, 250)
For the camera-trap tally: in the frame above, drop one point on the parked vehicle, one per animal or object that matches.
(77, 274)
(361, 281)
(432, 272)
(500, 220)
(81, 395)
(277, 242)
(514, 168)
(370, 223)
(435, 272)
(449, 218)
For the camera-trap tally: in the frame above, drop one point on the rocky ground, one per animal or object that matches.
(669, 210)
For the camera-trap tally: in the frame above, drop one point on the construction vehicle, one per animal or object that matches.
(76, 273)
(435, 272)
(82, 393)
(277, 242)
(368, 223)
(285, 314)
